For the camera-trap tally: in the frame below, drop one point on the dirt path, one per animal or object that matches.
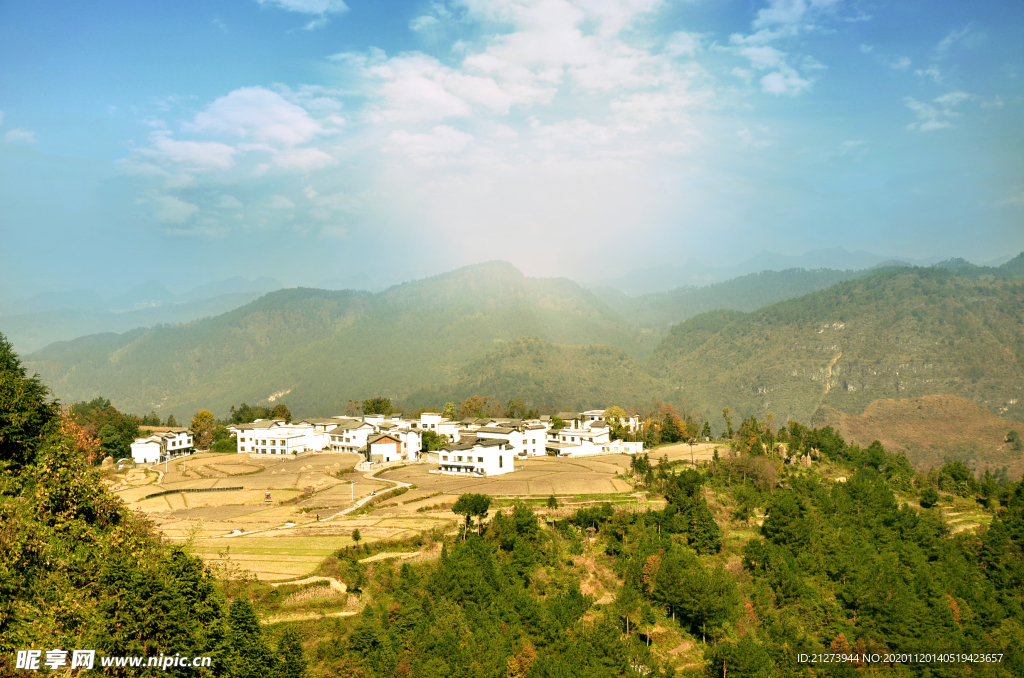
(312, 615)
(335, 584)
(369, 476)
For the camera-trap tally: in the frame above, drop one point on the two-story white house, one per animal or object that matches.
(276, 437)
(478, 456)
(162, 441)
(350, 435)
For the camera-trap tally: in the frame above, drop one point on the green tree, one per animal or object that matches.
(281, 411)
(291, 660)
(929, 497)
(112, 444)
(671, 427)
(432, 440)
(151, 419)
(615, 416)
(703, 535)
(25, 411)
(478, 406)
(627, 606)
(356, 536)
(472, 506)
(379, 405)
(171, 421)
(251, 656)
(223, 440)
(728, 422)
(202, 427)
(787, 523)
(556, 423)
(516, 409)
(1015, 441)
(448, 412)
(552, 502)
(706, 431)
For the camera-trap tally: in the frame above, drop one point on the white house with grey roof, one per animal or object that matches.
(277, 437)
(162, 441)
(350, 435)
(478, 457)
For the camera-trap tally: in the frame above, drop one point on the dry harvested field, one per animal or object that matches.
(290, 536)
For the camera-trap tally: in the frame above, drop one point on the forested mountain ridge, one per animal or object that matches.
(745, 293)
(322, 348)
(550, 376)
(896, 334)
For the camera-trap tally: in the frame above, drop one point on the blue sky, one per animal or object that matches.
(314, 139)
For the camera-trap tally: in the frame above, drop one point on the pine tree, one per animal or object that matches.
(291, 660)
(250, 656)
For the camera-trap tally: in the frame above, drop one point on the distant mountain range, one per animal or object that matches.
(696, 272)
(487, 329)
(45, 318)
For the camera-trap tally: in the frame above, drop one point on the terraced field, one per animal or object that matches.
(287, 538)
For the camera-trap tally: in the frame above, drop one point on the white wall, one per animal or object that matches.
(146, 451)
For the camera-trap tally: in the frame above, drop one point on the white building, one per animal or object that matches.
(588, 448)
(147, 450)
(481, 457)
(383, 448)
(350, 435)
(280, 438)
(163, 441)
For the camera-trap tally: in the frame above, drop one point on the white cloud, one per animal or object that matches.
(20, 136)
(230, 202)
(197, 154)
(930, 117)
(422, 22)
(899, 63)
(966, 36)
(279, 202)
(743, 74)
(169, 209)
(866, 48)
(682, 44)
(787, 81)
(439, 145)
(762, 57)
(930, 72)
(303, 159)
(783, 21)
(309, 6)
(257, 113)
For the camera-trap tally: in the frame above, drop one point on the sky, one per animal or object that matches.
(314, 140)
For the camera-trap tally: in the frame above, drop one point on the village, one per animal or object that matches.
(484, 446)
(294, 492)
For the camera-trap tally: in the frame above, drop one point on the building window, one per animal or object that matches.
(445, 458)
(480, 459)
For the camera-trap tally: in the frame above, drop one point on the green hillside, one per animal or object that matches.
(319, 348)
(552, 376)
(896, 334)
(745, 293)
